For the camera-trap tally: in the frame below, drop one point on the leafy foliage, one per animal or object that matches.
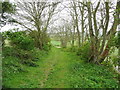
(44, 40)
(20, 40)
(47, 47)
(8, 7)
(17, 62)
(92, 76)
(19, 54)
(84, 51)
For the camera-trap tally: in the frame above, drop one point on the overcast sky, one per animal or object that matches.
(62, 15)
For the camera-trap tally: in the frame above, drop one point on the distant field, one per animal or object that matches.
(56, 43)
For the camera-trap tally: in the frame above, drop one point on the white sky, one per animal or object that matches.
(63, 14)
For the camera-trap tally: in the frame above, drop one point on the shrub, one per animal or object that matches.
(11, 65)
(44, 39)
(46, 47)
(84, 51)
(25, 43)
(73, 49)
(13, 59)
(113, 57)
(20, 40)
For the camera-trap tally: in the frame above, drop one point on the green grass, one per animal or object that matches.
(58, 43)
(92, 76)
(61, 69)
(55, 43)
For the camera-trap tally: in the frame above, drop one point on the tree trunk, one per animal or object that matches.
(92, 40)
(76, 22)
(111, 34)
(40, 41)
(63, 43)
(104, 54)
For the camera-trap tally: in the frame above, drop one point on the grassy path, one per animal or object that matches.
(58, 71)
(56, 68)
(62, 69)
(52, 72)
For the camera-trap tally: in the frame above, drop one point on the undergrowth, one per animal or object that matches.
(88, 75)
(84, 75)
(16, 61)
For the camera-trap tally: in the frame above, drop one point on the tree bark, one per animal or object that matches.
(76, 22)
(92, 46)
(112, 32)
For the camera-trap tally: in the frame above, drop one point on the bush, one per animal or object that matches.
(84, 51)
(74, 49)
(20, 40)
(25, 43)
(113, 57)
(10, 63)
(13, 60)
(47, 47)
(45, 39)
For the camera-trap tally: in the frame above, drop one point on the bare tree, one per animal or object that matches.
(76, 21)
(36, 16)
(82, 21)
(98, 51)
(111, 33)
